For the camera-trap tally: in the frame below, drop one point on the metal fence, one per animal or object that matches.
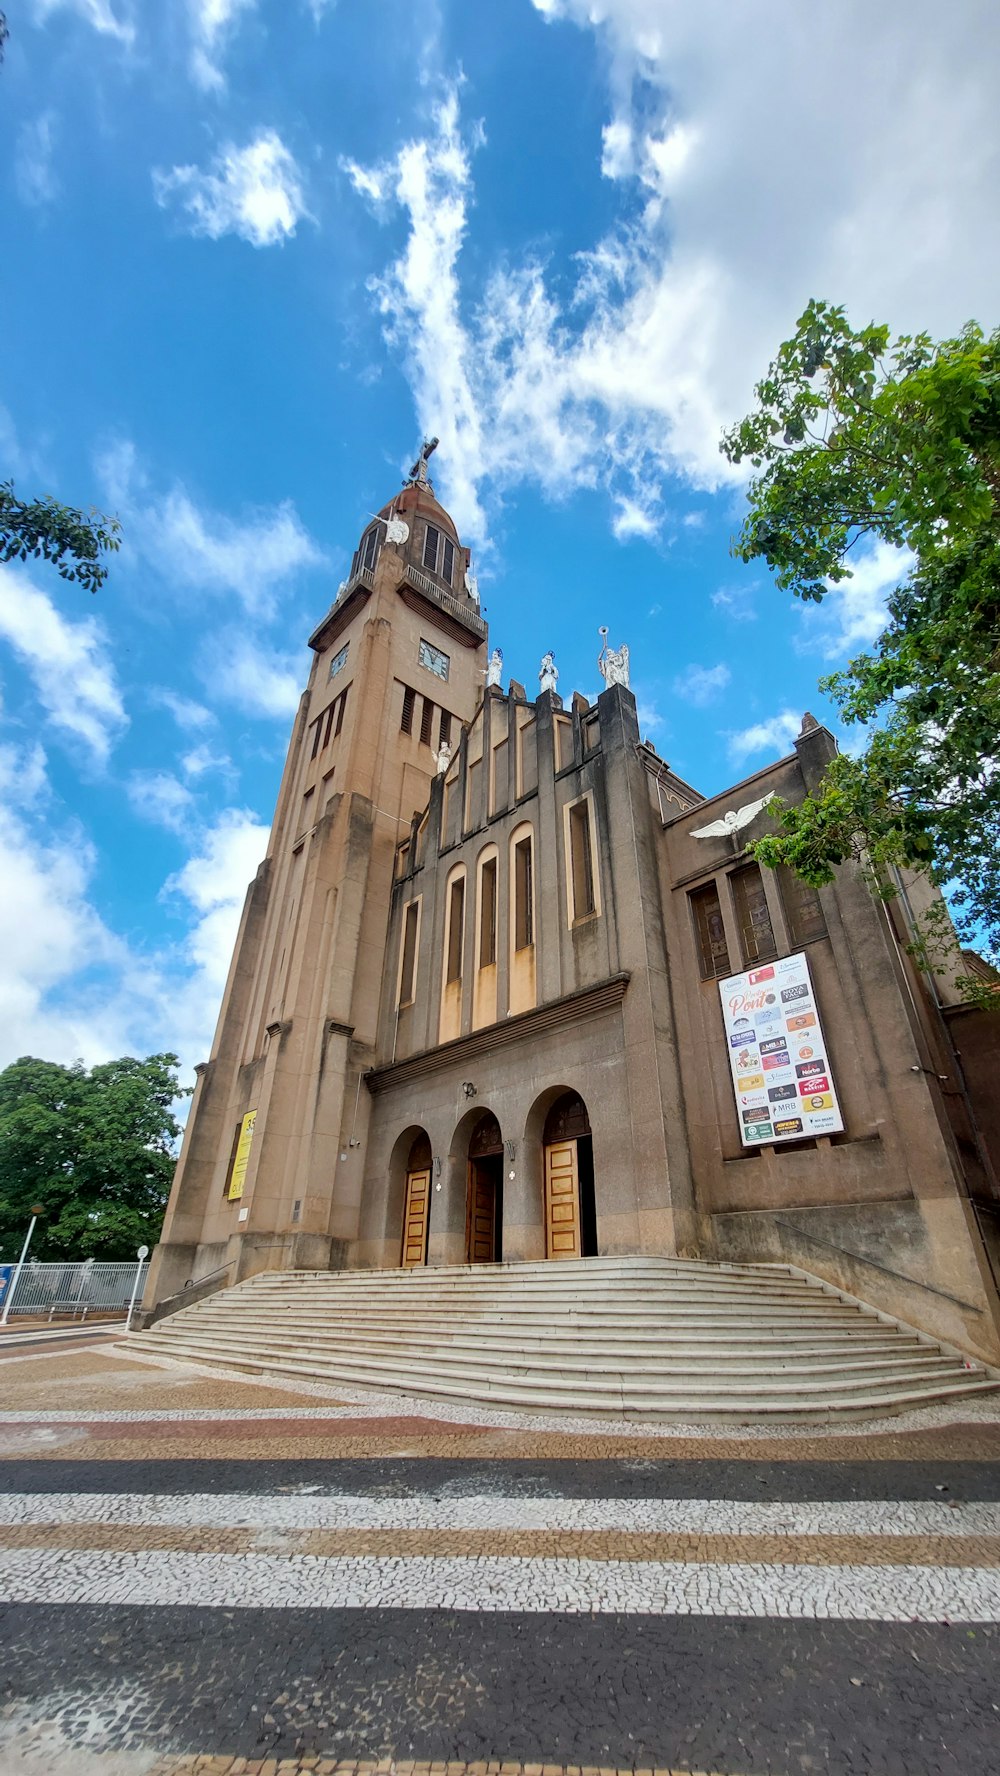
(68, 1289)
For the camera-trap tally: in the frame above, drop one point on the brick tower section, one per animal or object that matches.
(274, 1154)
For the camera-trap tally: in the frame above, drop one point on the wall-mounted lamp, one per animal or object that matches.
(511, 1147)
(468, 1088)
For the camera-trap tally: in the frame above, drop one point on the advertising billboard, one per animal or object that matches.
(777, 1055)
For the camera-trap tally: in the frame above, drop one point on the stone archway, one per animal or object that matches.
(484, 1200)
(568, 1169)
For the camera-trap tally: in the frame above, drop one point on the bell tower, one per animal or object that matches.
(272, 1164)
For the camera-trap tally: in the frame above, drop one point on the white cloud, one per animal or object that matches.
(110, 21)
(254, 192)
(737, 602)
(214, 882)
(774, 735)
(261, 682)
(252, 556)
(162, 798)
(190, 716)
(702, 684)
(68, 662)
(201, 760)
(853, 613)
(33, 173)
(212, 22)
(746, 186)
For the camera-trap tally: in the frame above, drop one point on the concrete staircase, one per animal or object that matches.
(648, 1338)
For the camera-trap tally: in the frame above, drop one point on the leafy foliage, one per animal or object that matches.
(855, 437)
(94, 1148)
(45, 529)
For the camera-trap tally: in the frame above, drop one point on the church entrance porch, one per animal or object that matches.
(570, 1205)
(417, 1204)
(484, 1201)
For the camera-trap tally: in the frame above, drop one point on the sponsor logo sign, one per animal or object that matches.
(775, 1043)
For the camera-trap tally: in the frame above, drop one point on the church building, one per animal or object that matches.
(506, 987)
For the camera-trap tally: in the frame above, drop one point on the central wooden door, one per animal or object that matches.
(481, 1236)
(562, 1201)
(416, 1216)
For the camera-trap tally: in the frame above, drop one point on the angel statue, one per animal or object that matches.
(548, 675)
(734, 820)
(495, 668)
(444, 757)
(612, 663)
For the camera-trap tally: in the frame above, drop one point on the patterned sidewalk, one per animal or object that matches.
(203, 1573)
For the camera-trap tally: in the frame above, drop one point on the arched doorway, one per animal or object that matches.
(570, 1206)
(417, 1203)
(484, 1204)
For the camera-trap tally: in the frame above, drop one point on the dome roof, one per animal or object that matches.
(418, 501)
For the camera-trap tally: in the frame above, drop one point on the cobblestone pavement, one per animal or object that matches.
(203, 1573)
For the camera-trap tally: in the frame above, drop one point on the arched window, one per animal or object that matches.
(521, 918)
(484, 996)
(450, 1024)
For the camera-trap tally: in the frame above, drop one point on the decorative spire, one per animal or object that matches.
(612, 663)
(417, 476)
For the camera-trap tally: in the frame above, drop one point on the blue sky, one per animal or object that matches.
(252, 251)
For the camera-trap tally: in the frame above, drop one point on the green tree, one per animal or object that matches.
(95, 1147)
(49, 531)
(854, 436)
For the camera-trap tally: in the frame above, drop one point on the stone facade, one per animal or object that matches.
(474, 1012)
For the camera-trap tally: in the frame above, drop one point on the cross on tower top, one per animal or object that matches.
(418, 474)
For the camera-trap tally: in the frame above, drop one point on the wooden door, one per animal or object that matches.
(562, 1201)
(480, 1241)
(416, 1215)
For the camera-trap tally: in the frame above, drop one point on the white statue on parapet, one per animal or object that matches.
(612, 663)
(444, 757)
(494, 670)
(733, 820)
(548, 674)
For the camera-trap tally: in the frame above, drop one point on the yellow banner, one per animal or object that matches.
(241, 1157)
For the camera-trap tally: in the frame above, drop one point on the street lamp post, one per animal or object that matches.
(142, 1254)
(37, 1209)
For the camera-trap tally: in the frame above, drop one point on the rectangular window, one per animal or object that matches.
(753, 915)
(341, 706)
(707, 909)
(408, 973)
(581, 860)
(329, 721)
(456, 922)
(369, 548)
(500, 785)
(431, 536)
(524, 912)
(406, 719)
(803, 907)
(316, 729)
(448, 561)
(426, 722)
(488, 914)
(444, 731)
(339, 661)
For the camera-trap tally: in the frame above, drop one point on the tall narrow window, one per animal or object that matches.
(341, 706)
(581, 860)
(456, 924)
(408, 971)
(753, 915)
(803, 907)
(707, 911)
(444, 731)
(431, 538)
(369, 548)
(317, 729)
(329, 721)
(426, 722)
(406, 719)
(448, 561)
(488, 914)
(524, 911)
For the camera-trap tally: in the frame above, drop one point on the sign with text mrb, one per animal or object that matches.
(777, 1055)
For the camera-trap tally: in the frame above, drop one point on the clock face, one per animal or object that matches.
(434, 660)
(339, 660)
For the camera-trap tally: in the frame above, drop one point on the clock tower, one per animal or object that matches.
(273, 1158)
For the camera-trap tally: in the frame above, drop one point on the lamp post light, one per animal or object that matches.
(37, 1209)
(142, 1254)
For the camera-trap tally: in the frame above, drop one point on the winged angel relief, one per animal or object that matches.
(733, 820)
